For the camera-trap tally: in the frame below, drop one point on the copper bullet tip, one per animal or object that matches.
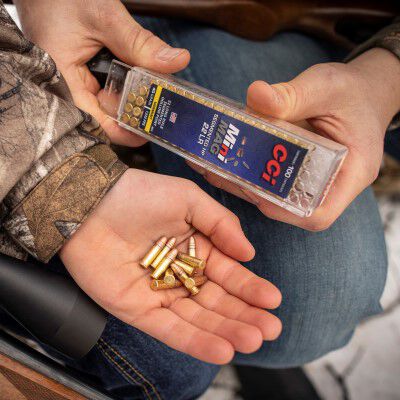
(192, 247)
(176, 268)
(172, 254)
(164, 264)
(194, 290)
(161, 255)
(153, 252)
(162, 240)
(171, 242)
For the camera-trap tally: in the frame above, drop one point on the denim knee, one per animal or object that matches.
(330, 281)
(311, 329)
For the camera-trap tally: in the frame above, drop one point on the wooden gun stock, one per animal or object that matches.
(346, 23)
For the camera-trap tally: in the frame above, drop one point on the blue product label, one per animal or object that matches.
(259, 157)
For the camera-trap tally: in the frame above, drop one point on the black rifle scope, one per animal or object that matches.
(50, 306)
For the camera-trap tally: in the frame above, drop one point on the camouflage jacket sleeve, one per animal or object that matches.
(55, 165)
(388, 38)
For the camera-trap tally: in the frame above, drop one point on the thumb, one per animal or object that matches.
(306, 96)
(137, 46)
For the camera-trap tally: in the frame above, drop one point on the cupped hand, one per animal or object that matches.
(103, 257)
(351, 104)
(73, 31)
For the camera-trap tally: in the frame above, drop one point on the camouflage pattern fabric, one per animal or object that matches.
(54, 163)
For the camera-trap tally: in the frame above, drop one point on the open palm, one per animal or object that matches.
(103, 257)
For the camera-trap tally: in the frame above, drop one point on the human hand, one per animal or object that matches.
(351, 104)
(103, 257)
(73, 31)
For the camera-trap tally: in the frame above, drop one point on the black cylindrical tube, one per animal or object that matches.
(50, 306)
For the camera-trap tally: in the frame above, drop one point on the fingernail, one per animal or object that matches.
(169, 53)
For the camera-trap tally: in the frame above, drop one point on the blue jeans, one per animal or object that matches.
(330, 280)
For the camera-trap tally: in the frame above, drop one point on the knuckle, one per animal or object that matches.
(292, 95)
(295, 93)
(327, 70)
(131, 36)
(139, 38)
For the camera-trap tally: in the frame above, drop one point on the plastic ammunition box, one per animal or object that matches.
(273, 159)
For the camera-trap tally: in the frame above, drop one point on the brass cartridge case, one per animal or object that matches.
(139, 101)
(186, 267)
(128, 108)
(192, 247)
(143, 90)
(134, 122)
(163, 253)
(200, 280)
(193, 261)
(189, 283)
(131, 97)
(164, 264)
(125, 117)
(136, 111)
(169, 277)
(179, 272)
(153, 252)
(161, 285)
